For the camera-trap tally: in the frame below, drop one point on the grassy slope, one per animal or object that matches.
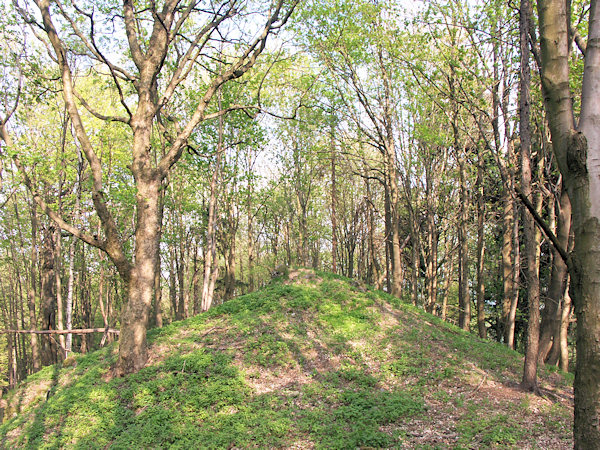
(316, 362)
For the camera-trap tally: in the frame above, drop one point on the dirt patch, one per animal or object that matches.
(303, 276)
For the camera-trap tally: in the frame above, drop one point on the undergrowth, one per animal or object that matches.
(351, 367)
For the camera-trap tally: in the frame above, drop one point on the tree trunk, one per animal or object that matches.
(210, 251)
(447, 278)
(196, 280)
(464, 298)
(173, 285)
(509, 332)
(230, 266)
(578, 155)
(529, 381)
(334, 243)
(481, 328)
(133, 350)
(158, 319)
(48, 296)
(31, 294)
(182, 301)
(509, 250)
(552, 313)
(564, 332)
(250, 219)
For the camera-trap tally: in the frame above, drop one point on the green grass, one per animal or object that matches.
(319, 363)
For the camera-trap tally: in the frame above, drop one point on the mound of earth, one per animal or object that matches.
(310, 361)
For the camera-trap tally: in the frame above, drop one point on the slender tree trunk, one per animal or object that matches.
(416, 263)
(210, 252)
(507, 260)
(32, 293)
(250, 220)
(564, 333)
(69, 301)
(9, 322)
(48, 295)
(481, 328)
(555, 357)
(59, 297)
(529, 381)
(447, 278)
(388, 238)
(552, 313)
(196, 280)
(464, 298)
(398, 275)
(334, 243)
(509, 336)
(230, 266)
(182, 306)
(158, 319)
(173, 286)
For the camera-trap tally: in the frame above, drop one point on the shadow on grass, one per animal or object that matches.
(36, 432)
(200, 395)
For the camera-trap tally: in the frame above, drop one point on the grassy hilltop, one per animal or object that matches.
(311, 361)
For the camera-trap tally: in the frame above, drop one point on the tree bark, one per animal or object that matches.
(552, 313)
(48, 295)
(210, 252)
(481, 328)
(529, 381)
(464, 298)
(578, 154)
(31, 294)
(334, 243)
(509, 337)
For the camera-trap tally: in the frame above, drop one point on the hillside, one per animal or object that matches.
(313, 361)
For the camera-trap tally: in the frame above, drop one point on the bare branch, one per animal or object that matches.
(96, 114)
(236, 70)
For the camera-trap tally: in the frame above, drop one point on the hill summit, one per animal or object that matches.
(312, 360)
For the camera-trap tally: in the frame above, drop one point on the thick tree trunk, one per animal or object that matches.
(133, 350)
(578, 156)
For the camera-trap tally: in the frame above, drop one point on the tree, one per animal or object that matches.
(577, 150)
(162, 55)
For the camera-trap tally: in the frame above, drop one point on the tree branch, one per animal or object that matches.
(544, 227)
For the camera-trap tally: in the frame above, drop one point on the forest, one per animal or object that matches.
(160, 158)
